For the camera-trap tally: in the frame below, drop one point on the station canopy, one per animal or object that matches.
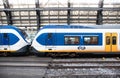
(36, 13)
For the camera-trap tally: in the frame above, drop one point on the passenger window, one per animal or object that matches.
(107, 40)
(114, 40)
(71, 40)
(90, 40)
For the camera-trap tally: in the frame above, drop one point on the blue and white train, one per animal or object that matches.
(74, 39)
(12, 40)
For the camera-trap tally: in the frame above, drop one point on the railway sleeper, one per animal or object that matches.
(5, 54)
(53, 54)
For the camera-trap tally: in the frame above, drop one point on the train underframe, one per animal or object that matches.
(23, 51)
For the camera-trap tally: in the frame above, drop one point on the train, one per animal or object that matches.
(13, 40)
(76, 39)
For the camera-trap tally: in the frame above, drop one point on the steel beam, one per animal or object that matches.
(62, 9)
(62, 19)
(62, 16)
(8, 13)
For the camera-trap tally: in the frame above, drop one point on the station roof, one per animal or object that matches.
(32, 14)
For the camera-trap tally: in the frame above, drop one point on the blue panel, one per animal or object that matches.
(13, 39)
(6, 39)
(10, 40)
(58, 38)
(1, 39)
(14, 28)
(41, 39)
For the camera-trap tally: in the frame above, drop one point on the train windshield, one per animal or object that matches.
(23, 33)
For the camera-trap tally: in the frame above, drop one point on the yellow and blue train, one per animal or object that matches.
(74, 39)
(12, 40)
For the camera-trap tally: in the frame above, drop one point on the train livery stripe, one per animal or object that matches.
(82, 51)
(7, 50)
(58, 39)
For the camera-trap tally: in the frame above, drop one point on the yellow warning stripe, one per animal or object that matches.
(7, 50)
(82, 51)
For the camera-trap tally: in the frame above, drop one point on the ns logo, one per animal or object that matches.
(81, 48)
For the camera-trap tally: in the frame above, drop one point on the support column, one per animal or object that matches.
(38, 15)
(8, 13)
(99, 20)
(68, 13)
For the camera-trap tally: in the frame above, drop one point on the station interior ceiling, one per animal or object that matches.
(32, 14)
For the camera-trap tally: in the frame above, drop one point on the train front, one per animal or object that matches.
(12, 40)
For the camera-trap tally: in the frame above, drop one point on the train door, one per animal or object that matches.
(5, 41)
(0, 40)
(50, 42)
(111, 42)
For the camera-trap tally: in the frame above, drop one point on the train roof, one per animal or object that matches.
(65, 26)
(8, 27)
(20, 31)
(82, 26)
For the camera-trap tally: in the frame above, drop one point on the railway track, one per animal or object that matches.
(64, 63)
(67, 68)
(88, 68)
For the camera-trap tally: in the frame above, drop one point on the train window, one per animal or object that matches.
(49, 39)
(71, 40)
(90, 40)
(23, 33)
(49, 35)
(114, 40)
(107, 40)
(5, 35)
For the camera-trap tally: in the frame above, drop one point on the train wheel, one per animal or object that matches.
(40, 54)
(48, 54)
(72, 54)
(54, 55)
(51, 54)
(5, 54)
